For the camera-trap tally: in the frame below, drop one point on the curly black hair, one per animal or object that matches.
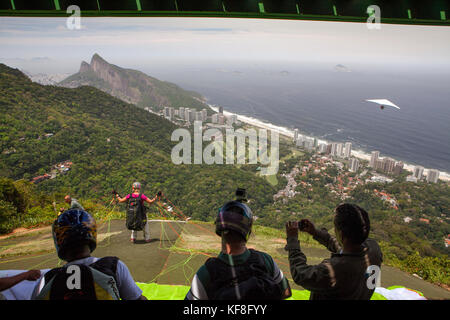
(353, 221)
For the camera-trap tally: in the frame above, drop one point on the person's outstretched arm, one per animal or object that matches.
(151, 200)
(8, 282)
(121, 199)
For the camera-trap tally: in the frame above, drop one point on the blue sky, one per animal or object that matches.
(47, 45)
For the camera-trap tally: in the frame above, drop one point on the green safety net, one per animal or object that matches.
(155, 291)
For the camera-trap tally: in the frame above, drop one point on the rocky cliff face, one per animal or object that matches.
(130, 85)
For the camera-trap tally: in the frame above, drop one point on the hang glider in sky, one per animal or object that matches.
(384, 102)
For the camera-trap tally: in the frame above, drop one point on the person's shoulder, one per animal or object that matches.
(371, 244)
(267, 258)
(262, 253)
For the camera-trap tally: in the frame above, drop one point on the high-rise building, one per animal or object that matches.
(354, 164)
(192, 115)
(329, 147)
(215, 118)
(388, 165)
(379, 164)
(322, 148)
(374, 158)
(348, 150)
(418, 172)
(204, 115)
(398, 169)
(186, 114)
(433, 175)
(181, 113)
(232, 119)
(300, 142)
(198, 116)
(168, 112)
(221, 119)
(339, 149)
(221, 110)
(295, 135)
(309, 144)
(333, 150)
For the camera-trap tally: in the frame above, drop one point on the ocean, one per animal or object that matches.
(328, 102)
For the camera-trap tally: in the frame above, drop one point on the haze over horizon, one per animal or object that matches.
(46, 45)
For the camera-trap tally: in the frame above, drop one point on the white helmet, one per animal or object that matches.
(136, 185)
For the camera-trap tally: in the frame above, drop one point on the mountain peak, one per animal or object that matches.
(84, 67)
(96, 58)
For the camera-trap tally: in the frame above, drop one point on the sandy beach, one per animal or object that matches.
(445, 176)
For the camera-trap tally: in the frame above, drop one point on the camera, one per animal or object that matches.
(302, 224)
(241, 195)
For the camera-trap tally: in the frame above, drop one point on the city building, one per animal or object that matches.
(181, 113)
(348, 150)
(168, 112)
(339, 149)
(388, 165)
(215, 118)
(322, 148)
(308, 144)
(418, 172)
(398, 169)
(354, 164)
(333, 150)
(433, 175)
(295, 135)
(373, 159)
(204, 115)
(221, 119)
(411, 178)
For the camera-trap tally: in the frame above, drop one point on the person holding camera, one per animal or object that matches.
(352, 271)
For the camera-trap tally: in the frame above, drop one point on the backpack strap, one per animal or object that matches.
(104, 273)
(107, 265)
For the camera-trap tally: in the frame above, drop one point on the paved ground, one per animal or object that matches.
(166, 261)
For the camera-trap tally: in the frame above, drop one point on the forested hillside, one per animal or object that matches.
(110, 144)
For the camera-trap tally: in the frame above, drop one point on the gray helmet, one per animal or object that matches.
(136, 185)
(235, 216)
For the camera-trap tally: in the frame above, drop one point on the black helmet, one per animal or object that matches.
(235, 216)
(72, 228)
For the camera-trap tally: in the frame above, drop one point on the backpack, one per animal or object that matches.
(80, 282)
(251, 279)
(136, 214)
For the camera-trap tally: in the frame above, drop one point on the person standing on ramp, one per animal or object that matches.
(136, 212)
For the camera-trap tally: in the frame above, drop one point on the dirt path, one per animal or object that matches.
(170, 259)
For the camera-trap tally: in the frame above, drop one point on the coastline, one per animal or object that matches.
(444, 176)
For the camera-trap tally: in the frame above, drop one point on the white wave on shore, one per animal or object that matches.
(445, 176)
